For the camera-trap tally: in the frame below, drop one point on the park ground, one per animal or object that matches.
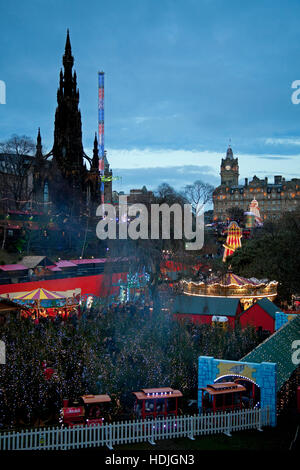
(270, 439)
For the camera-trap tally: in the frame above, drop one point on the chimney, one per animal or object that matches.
(266, 180)
(246, 181)
(277, 179)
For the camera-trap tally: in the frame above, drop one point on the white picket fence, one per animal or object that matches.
(58, 438)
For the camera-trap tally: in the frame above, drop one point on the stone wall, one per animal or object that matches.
(281, 319)
(263, 375)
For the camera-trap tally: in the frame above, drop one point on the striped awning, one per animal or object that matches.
(40, 294)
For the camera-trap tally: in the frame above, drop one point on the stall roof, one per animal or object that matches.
(267, 305)
(33, 261)
(197, 305)
(88, 261)
(65, 264)
(53, 268)
(13, 267)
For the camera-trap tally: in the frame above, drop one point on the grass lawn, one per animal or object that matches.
(273, 439)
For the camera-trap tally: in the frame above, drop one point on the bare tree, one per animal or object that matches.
(198, 193)
(17, 161)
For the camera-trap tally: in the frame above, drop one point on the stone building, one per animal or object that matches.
(274, 198)
(62, 181)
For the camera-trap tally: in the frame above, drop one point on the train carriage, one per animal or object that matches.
(156, 402)
(225, 396)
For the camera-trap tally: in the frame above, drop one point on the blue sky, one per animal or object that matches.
(182, 77)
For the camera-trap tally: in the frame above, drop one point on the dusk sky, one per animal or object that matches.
(182, 77)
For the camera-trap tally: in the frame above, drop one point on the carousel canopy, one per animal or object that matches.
(232, 285)
(230, 279)
(40, 294)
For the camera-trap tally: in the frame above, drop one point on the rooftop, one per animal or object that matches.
(197, 305)
(13, 267)
(278, 348)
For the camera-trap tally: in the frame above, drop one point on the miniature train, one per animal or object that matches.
(156, 402)
(224, 396)
(88, 411)
(153, 403)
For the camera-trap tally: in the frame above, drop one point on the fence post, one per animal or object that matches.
(191, 434)
(228, 424)
(259, 427)
(151, 438)
(109, 444)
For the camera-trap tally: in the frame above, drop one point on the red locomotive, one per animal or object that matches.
(88, 411)
(156, 402)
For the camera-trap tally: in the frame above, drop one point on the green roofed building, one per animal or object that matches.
(278, 348)
(203, 309)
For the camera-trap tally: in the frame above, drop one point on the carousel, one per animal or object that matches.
(44, 303)
(230, 285)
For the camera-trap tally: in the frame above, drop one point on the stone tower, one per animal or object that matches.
(69, 187)
(229, 169)
(66, 186)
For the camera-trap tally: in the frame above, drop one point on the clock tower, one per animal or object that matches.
(229, 169)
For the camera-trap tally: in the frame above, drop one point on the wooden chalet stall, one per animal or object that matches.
(206, 309)
(261, 315)
(7, 307)
(13, 273)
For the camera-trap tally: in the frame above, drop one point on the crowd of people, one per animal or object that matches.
(73, 314)
(112, 349)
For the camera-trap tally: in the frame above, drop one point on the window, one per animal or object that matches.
(46, 192)
(88, 195)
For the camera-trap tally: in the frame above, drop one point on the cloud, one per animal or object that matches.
(142, 119)
(152, 166)
(152, 177)
(283, 141)
(160, 157)
(270, 157)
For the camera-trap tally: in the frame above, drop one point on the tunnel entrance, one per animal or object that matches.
(251, 397)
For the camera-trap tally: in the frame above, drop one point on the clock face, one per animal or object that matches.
(227, 167)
